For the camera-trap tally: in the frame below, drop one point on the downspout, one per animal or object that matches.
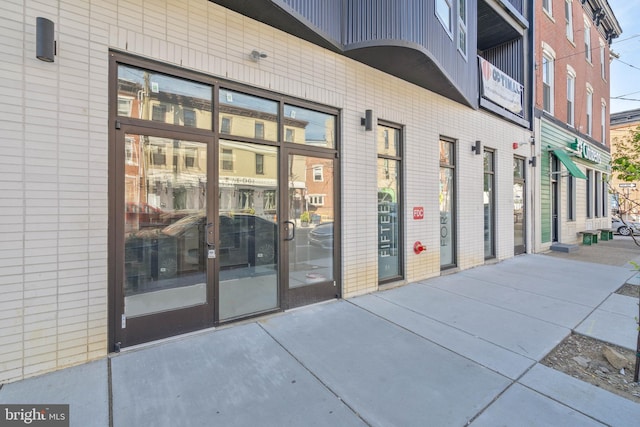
(530, 76)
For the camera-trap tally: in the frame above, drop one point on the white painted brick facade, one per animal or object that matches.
(54, 164)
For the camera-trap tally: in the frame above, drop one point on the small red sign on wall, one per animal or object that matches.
(418, 212)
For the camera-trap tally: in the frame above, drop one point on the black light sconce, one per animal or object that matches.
(477, 147)
(533, 162)
(367, 120)
(256, 55)
(45, 43)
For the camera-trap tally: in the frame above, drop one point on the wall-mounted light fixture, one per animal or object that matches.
(45, 43)
(532, 161)
(256, 55)
(367, 120)
(477, 147)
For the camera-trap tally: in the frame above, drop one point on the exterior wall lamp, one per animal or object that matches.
(367, 120)
(256, 55)
(477, 148)
(45, 43)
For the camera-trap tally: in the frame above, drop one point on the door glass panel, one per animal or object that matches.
(312, 210)
(165, 204)
(148, 95)
(247, 250)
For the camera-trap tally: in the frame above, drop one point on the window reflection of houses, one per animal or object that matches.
(319, 188)
(168, 175)
(248, 178)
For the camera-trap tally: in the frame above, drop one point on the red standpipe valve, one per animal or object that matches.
(418, 248)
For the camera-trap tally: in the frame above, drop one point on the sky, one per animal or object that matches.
(625, 72)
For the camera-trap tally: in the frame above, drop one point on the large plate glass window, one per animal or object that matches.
(247, 116)
(389, 203)
(447, 204)
(489, 204)
(519, 211)
(148, 95)
(309, 127)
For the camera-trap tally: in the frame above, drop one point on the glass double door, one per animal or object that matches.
(213, 232)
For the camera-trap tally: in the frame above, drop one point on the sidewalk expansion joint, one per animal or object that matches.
(325, 385)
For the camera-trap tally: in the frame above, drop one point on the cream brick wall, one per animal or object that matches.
(54, 168)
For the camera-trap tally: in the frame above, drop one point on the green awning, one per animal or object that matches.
(568, 163)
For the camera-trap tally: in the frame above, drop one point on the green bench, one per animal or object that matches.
(589, 237)
(606, 234)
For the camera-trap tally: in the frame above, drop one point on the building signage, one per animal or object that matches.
(418, 212)
(499, 88)
(247, 181)
(585, 151)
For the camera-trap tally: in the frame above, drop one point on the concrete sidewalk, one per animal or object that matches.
(449, 351)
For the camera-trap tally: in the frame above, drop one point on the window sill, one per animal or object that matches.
(546, 12)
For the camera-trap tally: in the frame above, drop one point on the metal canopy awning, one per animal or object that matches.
(569, 164)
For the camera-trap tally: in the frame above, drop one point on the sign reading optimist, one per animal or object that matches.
(34, 415)
(499, 88)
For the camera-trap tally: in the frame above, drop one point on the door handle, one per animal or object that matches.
(291, 231)
(210, 237)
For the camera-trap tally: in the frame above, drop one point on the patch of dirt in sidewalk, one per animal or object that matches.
(629, 290)
(583, 358)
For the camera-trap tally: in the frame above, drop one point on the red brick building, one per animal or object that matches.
(572, 58)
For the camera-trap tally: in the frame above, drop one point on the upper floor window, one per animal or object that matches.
(547, 83)
(547, 6)
(603, 123)
(189, 117)
(568, 15)
(587, 41)
(603, 65)
(462, 27)
(225, 125)
(259, 164)
(159, 113)
(571, 95)
(443, 11)
(318, 175)
(589, 129)
(289, 135)
(259, 130)
(227, 159)
(124, 106)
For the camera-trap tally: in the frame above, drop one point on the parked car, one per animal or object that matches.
(624, 228)
(322, 235)
(180, 248)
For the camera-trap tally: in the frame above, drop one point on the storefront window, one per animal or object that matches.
(447, 205)
(248, 116)
(389, 167)
(149, 95)
(304, 126)
(489, 204)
